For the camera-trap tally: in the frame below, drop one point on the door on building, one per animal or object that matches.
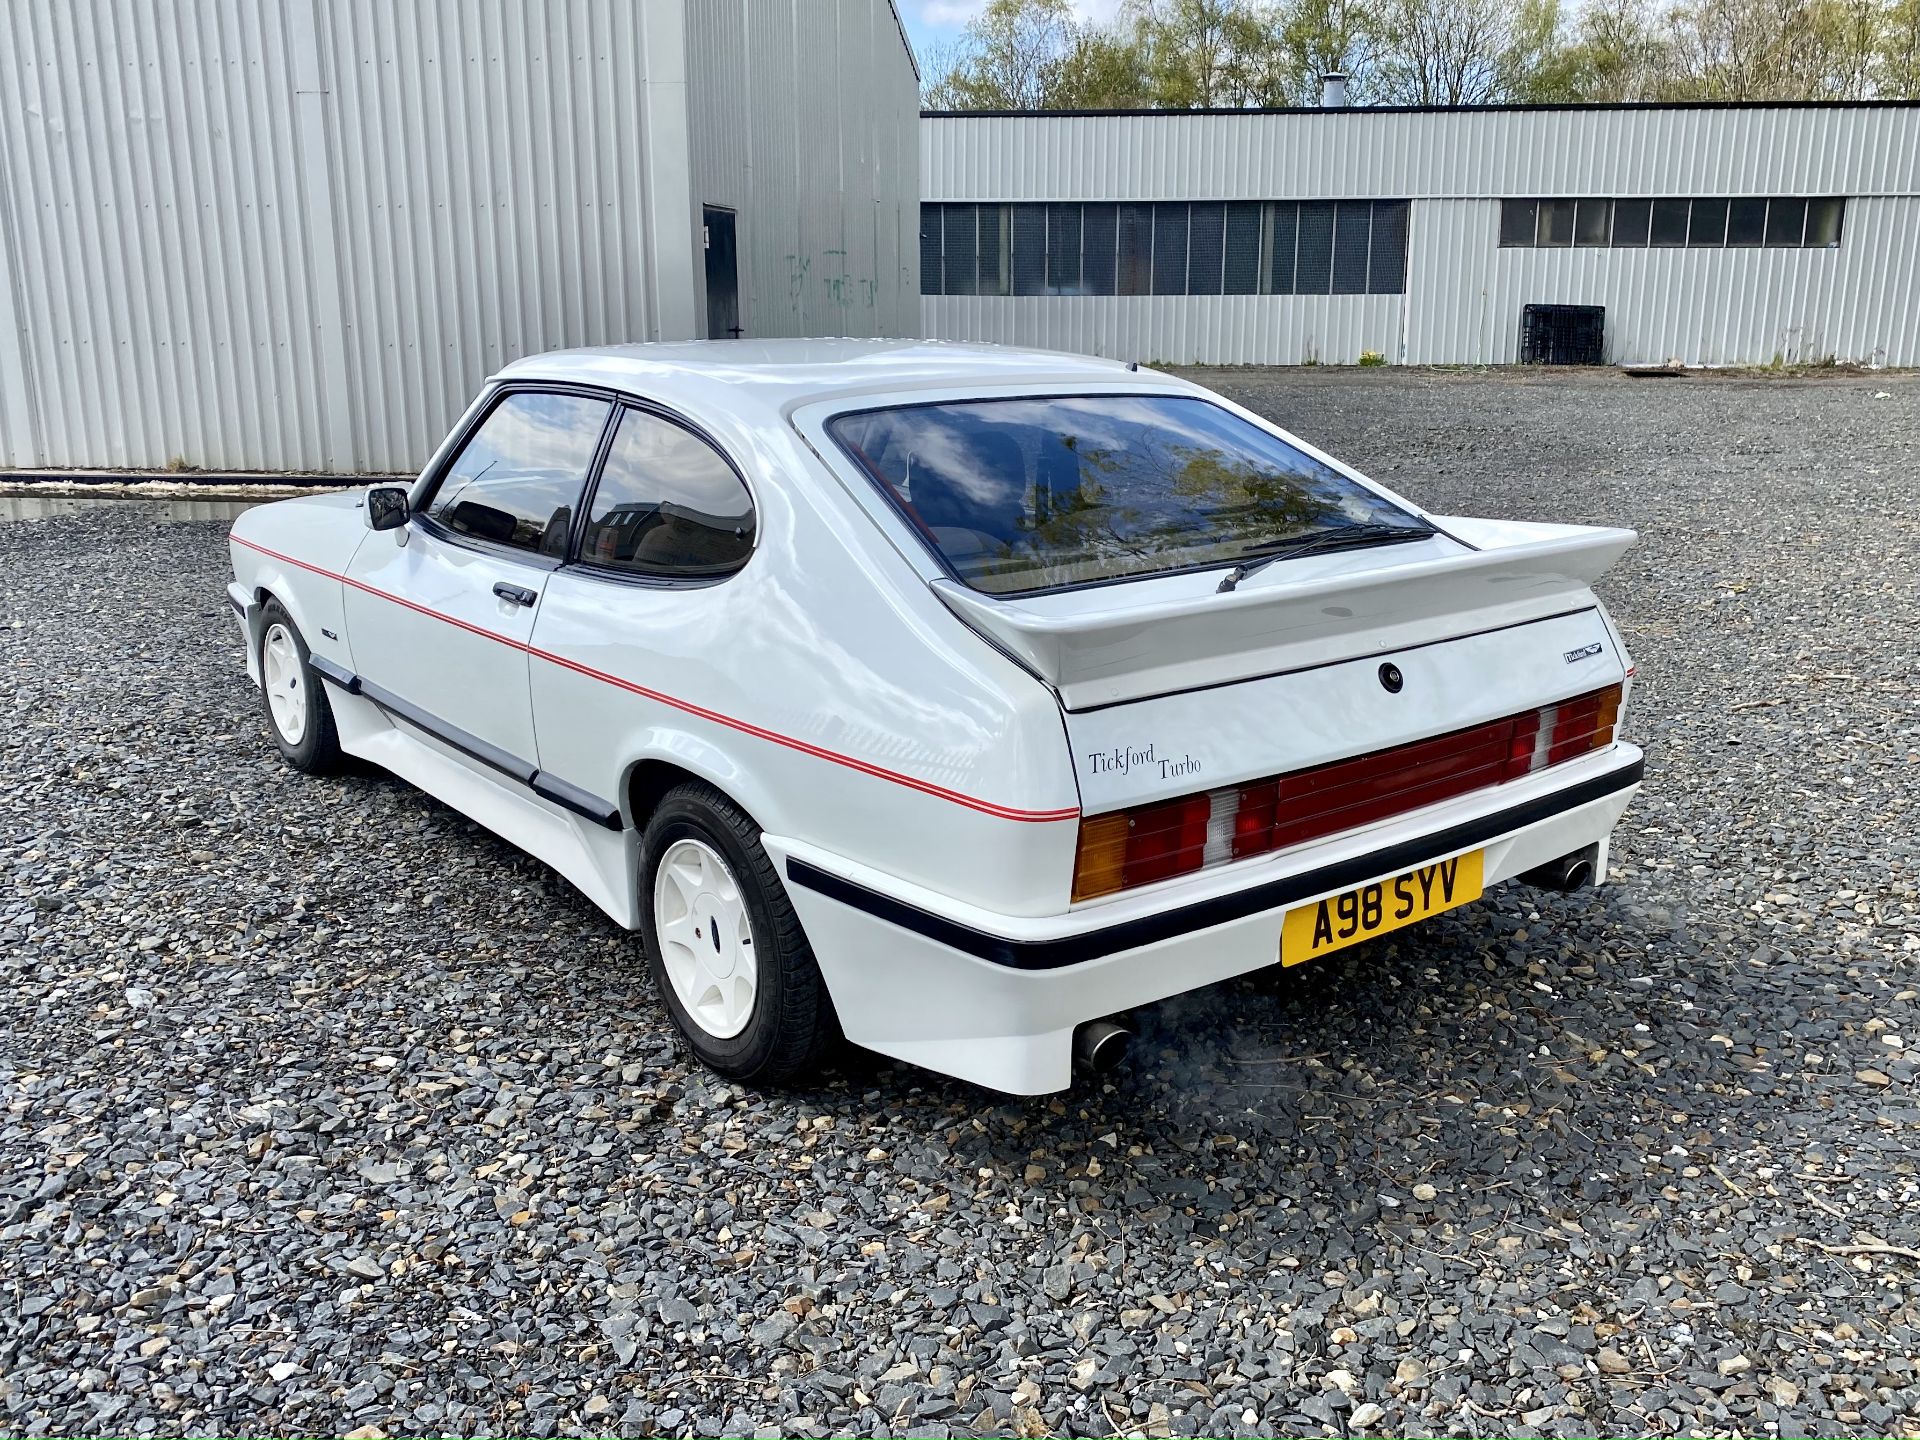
(723, 274)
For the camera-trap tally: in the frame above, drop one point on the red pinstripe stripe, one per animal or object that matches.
(925, 787)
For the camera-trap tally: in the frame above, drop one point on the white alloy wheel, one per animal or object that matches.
(706, 937)
(285, 679)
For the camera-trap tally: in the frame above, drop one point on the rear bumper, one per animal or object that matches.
(995, 999)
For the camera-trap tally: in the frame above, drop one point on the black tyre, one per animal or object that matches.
(724, 946)
(299, 714)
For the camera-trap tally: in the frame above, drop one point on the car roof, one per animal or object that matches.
(785, 374)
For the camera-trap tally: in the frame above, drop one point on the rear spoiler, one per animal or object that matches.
(1099, 654)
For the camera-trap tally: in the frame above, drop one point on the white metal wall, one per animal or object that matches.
(1179, 329)
(158, 236)
(805, 122)
(505, 179)
(1326, 155)
(1858, 302)
(297, 234)
(1464, 294)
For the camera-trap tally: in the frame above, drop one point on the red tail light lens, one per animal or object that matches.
(1253, 820)
(1165, 840)
(1126, 848)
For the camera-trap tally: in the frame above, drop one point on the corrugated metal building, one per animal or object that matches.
(1711, 234)
(295, 234)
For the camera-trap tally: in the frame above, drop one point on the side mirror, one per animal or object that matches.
(386, 507)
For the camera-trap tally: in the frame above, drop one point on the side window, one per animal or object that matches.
(667, 505)
(517, 481)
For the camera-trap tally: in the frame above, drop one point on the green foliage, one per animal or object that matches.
(1371, 358)
(1185, 54)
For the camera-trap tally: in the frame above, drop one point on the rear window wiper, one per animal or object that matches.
(1317, 542)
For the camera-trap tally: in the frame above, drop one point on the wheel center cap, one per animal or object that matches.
(716, 948)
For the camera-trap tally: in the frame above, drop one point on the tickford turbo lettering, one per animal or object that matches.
(1125, 759)
(1120, 760)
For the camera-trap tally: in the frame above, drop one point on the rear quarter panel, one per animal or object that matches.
(825, 690)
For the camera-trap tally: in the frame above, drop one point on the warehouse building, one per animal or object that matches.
(293, 235)
(1712, 235)
(296, 234)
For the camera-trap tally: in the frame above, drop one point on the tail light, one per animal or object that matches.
(1126, 848)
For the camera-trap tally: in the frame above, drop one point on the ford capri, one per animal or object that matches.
(957, 701)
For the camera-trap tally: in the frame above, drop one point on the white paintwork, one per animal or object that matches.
(1175, 744)
(835, 692)
(1178, 633)
(916, 1000)
(466, 674)
(706, 937)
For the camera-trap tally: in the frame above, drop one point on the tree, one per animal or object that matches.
(1773, 49)
(1896, 68)
(1010, 59)
(1537, 65)
(1322, 36)
(1442, 52)
(1103, 70)
(1199, 51)
(1619, 52)
(1183, 54)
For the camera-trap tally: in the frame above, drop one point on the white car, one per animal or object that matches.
(956, 699)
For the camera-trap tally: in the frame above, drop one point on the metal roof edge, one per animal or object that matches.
(1420, 109)
(906, 41)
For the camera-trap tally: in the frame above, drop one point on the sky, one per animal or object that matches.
(938, 22)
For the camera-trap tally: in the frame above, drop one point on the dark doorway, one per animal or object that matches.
(723, 274)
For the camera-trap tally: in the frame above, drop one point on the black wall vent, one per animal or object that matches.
(1563, 334)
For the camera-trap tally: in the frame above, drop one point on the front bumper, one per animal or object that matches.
(246, 612)
(995, 999)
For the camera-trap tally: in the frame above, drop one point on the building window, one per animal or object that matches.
(1746, 221)
(1632, 222)
(1709, 222)
(1592, 222)
(1556, 223)
(1517, 221)
(1670, 222)
(1168, 247)
(1707, 227)
(1823, 222)
(1313, 249)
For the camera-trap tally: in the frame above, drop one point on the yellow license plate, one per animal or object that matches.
(1342, 920)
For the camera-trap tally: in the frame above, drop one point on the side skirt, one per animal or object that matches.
(548, 787)
(595, 858)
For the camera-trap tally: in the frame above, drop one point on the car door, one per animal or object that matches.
(643, 623)
(440, 612)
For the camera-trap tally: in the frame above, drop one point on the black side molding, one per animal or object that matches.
(548, 787)
(1222, 909)
(572, 797)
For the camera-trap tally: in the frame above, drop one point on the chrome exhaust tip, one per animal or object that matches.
(1566, 874)
(1099, 1045)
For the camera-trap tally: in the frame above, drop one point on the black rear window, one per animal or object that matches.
(1018, 495)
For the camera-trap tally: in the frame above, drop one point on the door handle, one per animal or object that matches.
(515, 594)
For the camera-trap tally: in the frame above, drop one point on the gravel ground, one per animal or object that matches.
(326, 1111)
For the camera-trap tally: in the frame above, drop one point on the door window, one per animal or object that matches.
(517, 481)
(667, 505)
